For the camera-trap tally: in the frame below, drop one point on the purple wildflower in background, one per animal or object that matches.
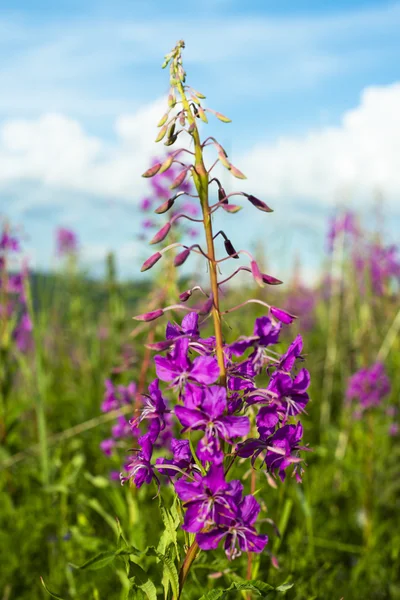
(66, 241)
(341, 224)
(368, 387)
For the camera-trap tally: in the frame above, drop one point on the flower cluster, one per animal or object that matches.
(368, 387)
(221, 416)
(66, 242)
(14, 314)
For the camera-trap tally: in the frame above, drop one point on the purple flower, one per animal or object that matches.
(9, 242)
(23, 334)
(67, 241)
(154, 406)
(210, 419)
(179, 370)
(345, 223)
(265, 334)
(107, 446)
(369, 386)
(287, 360)
(139, 469)
(239, 533)
(290, 393)
(208, 499)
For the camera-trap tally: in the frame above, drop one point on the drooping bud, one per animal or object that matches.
(223, 118)
(159, 346)
(181, 257)
(222, 195)
(191, 127)
(255, 271)
(171, 140)
(258, 203)
(179, 179)
(224, 160)
(163, 120)
(182, 119)
(161, 133)
(231, 208)
(166, 164)
(152, 171)
(230, 250)
(151, 261)
(236, 173)
(198, 94)
(165, 206)
(195, 99)
(184, 296)
(150, 316)
(171, 100)
(282, 315)
(269, 280)
(202, 114)
(161, 234)
(207, 306)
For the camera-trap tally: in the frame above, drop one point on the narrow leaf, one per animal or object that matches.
(52, 594)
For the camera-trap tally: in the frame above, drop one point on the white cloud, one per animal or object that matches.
(349, 162)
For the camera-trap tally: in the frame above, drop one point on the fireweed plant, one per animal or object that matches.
(223, 413)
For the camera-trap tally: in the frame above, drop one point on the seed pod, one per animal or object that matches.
(151, 261)
(163, 120)
(223, 118)
(161, 234)
(150, 316)
(258, 203)
(236, 173)
(181, 257)
(152, 171)
(161, 134)
(230, 250)
(179, 179)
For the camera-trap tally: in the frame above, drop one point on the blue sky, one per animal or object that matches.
(310, 87)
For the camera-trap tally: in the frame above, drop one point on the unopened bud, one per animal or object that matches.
(181, 257)
(223, 118)
(166, 164)
(171, 100)
(236, 173)
(198, 94)
(161, 234)
(231, 208)
(171, 140)
(161, 133)
(282, 315)
(196, 100)
(202, 115)
(269, 280)
(152, 171)
(222, 195)
(230, 250)
(224, 160)
(191, 127)
(258, 203)
(255, 271)
(151, 261)
(207, 306)
(182, 119)
(165, 206)
(179, 179)
(150, 316)
(184, 296)
(163, 120)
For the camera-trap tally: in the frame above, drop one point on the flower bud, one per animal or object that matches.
(230, 250)
(207, 306)
(161, 133)
(165, 206)
(255, 271)
(258, 203)
(150, 316)
(202, 114)
(191, 127)
(151, 261)
(182, 119)
(163, 120)
(179, 179)
(198, 94)
(231, 208)
(236, 173)
(268, 279)
(184, 296)
(222, 195)
(171, 100)
(223, 160)
(223, 118)
(195, 99)
(152, 171)
(282, 315)
(161, 234)
(181, 257)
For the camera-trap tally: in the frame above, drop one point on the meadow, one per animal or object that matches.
(74, 368)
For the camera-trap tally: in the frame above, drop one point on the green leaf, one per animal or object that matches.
(103, 559)
(255, 586)
(142, 581)
(52, 594)
(169, 569)
(171, 524)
